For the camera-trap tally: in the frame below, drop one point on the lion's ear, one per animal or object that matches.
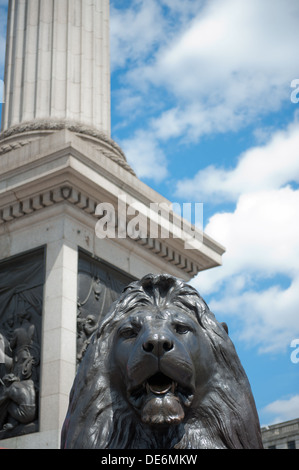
(225, 327)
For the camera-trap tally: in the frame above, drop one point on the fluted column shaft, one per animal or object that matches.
(58, 62)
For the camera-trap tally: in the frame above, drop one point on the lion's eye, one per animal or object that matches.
(128, 333)
(181, 329)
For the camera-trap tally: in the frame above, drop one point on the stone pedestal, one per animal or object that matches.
(57, 165)
(50, 188)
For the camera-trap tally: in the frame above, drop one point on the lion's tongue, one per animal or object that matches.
(159, 384)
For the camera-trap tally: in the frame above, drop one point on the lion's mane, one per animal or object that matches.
(99, 416)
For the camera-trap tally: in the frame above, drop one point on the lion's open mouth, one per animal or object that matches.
(161, 400)
(160, 384)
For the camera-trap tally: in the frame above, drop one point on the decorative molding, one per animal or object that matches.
(71, 195)
(13, 138)
(12, 146)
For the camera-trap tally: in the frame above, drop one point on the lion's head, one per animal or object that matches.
(161, 372)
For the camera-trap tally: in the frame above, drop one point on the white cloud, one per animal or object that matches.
(145, 156)
(263, 167)
(214, 73)
(139, 29)
(261, 238)
(184, 8)
(268, 319)
(282, 410)
(256, 38)
(135, 31)
(230, 64)
(265, 224)
(207, 67)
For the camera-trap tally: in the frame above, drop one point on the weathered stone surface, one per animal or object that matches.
(57, 62)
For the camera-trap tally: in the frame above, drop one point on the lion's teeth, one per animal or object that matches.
(159, 390)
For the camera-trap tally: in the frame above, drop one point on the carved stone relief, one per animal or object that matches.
(21, 301)
(99, 285)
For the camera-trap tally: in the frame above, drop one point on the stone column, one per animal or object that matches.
(59, 337)
(58, 63)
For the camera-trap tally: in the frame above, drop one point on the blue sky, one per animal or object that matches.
(201, 105)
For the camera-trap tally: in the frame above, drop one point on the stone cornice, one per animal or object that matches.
(60, 168)
(181, 259)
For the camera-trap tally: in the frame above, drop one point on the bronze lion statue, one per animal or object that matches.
(161, 373)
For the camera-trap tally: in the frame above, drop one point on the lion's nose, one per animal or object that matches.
(158, 344)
